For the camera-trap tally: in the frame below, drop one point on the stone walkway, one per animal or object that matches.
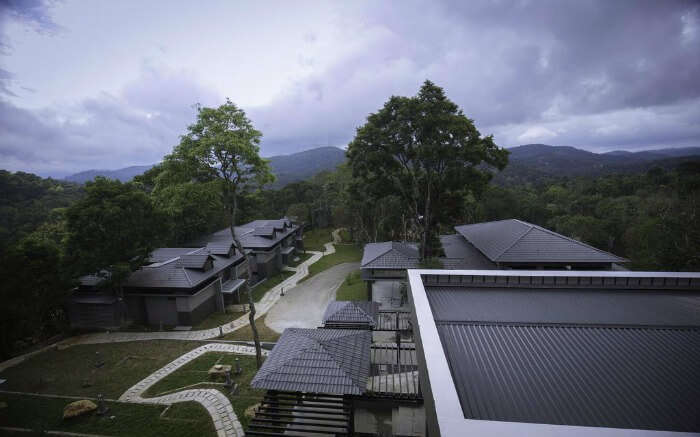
(262, 307)
(216, 403)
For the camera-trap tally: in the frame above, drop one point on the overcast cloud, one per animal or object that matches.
(110, 84)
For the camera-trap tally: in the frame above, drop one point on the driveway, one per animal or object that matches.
(303, 306)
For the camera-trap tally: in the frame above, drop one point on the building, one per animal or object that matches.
(270, 244)
(515, 244)
(179, 286)
(584, 353)
(383, 267)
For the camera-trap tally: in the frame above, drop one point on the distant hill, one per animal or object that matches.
(288, 168)
(123, 174)
(304, 165)
(541, 162)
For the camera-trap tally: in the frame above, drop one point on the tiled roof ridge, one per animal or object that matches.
(530, 228)
(567, 238)
(390, 247)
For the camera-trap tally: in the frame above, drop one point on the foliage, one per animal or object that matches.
(221, 149)
(424, 150)
(111, 231)
(27, 201)
(45, 413)
(352, 288)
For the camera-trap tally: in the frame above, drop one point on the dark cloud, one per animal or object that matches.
(600, 75)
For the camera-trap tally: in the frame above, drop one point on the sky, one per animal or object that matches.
(108, 84)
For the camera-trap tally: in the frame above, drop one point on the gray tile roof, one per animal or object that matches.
(333, 361)
(463, 255)
(587, 357)
(359, 312)
(253, 235)
(220, 248)
(390, 255)
(176, 268)
(515, 241)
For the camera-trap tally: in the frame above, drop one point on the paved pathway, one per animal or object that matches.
(304, 305)
(216, 403)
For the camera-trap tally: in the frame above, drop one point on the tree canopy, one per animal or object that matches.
(426, 151)
(221, 149)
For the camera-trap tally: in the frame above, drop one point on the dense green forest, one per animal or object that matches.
(650, 218)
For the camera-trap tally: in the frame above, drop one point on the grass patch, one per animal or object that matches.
(196, 372)
(343, 253)
(38, 413)
(352, 288)
(260, 290)
(345, 236)
(72, 371)
(246, 333)
(316, 238)
(302, 257)
(217, 319)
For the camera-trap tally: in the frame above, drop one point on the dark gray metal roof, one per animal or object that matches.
(515, 241)
(358, 312)
(639, 378)
(390, 255)
(463, 255)
(221, 248)
(561, 305)
(334, 361)
(621, 358)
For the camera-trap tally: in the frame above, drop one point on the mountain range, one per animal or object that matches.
(527, 163)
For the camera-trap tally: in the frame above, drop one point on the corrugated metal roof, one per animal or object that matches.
(620, 358)
(639, 378)
(334, 361)
(588, 305)
(463, 255)
(515, 241)
(390, 255)
(360, 312)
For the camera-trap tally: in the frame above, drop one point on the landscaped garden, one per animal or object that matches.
(263, 287)
(352, 288)
(343, 253)
(88, 370)
(195, 374)
(246, 333)
(217, 319)
(41, 414)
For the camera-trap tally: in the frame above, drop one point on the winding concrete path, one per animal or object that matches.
(304, 305)
(216, 403)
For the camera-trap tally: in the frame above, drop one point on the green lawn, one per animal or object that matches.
(302, 257)
(72, 371)
(343, 253)
(260, 290)
(196, 372)
(217, 319)
(316, 238)
(39, 413)
(353, 288)
(246, 333)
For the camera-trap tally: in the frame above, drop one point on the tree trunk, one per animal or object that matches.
(426, 227)
(251, 303)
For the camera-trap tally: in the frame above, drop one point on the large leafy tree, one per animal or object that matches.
(112, 231)
(222, 148)
(428, 152)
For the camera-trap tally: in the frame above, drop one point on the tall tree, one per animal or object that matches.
(222, 145)
(425, 149)
(111, 231)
